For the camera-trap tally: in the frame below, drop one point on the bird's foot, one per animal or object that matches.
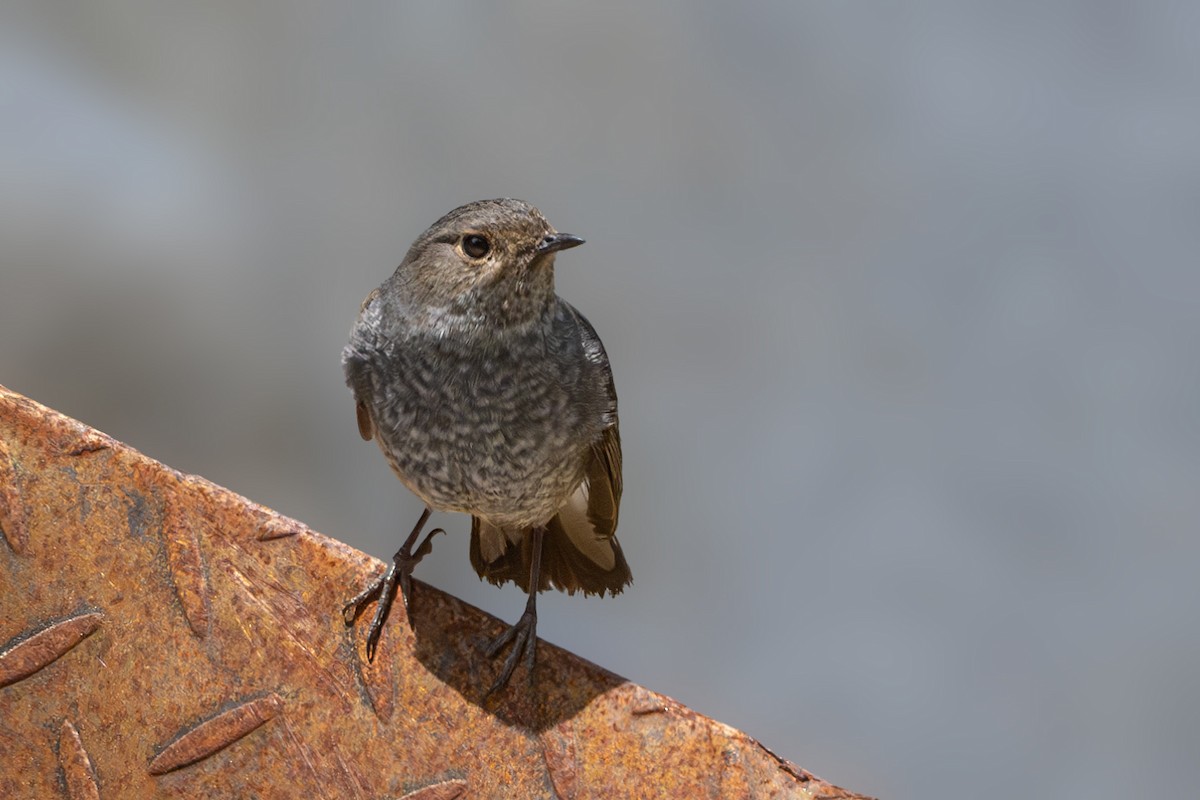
(523, 636)
(384, 587)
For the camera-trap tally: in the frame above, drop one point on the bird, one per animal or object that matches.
(490, 395)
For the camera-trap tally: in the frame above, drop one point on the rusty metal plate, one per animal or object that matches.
(161, 636)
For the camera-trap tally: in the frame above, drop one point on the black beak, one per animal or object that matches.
(558, 241)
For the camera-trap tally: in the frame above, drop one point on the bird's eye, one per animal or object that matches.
(476, 246)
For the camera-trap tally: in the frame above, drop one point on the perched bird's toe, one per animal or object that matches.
(523, 637)
(355, 606)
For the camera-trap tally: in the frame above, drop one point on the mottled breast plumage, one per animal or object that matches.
(493, 423)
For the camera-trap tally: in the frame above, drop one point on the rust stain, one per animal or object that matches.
(271, 524)
(12, 507)
(642, 702)
(276, 526)
(376, 675)
(351, 730)
(446, 790)
(29, 652)
(88, 440)
(187, 568)
(652, 707)
(305, 758)
(76, 765)
(214, 734)
(799, 773)
(558, 748)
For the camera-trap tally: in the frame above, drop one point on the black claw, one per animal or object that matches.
(426, 546)
(352, 609)
(387, 596)
(523, 636)
(384, 586)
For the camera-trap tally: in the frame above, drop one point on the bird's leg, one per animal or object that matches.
(384, 586)
(523, 635)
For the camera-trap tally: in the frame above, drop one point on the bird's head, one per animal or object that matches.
(491, 261)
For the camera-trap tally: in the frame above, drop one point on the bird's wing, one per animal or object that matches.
(356, 365)
(580, 550)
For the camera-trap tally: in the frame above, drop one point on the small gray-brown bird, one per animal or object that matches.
(490, 395)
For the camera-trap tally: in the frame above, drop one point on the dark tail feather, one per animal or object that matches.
(564, 566)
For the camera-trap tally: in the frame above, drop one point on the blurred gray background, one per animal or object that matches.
(902, 302)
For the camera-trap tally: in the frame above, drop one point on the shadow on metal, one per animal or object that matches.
(161, 636)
